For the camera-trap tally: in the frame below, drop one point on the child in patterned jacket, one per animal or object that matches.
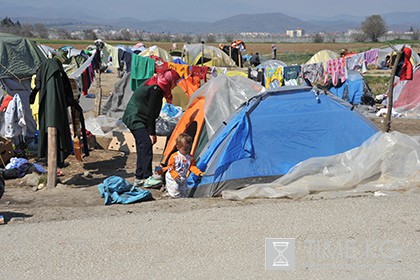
(179, 165)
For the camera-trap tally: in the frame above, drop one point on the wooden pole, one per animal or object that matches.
(387, 123)
(183, 52)
(202, 54)
(99, 95)
(52, 157)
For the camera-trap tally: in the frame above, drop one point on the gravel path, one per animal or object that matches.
(352, 238)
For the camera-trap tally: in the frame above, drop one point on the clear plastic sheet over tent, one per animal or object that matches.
(272, 64)
(224, 95)
(193, 53)
(157, 51)
(385, 162)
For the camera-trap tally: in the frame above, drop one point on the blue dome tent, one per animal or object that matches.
(273, 132)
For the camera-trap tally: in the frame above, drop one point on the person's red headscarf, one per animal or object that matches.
(166, 81)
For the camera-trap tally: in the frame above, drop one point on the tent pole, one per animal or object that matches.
(52, 157)
(387, 123)
(202, 54)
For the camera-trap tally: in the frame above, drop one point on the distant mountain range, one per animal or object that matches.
(269, 22)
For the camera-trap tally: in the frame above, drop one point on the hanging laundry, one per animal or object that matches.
(291, 75)
(190, 84)
(14, 118)
(272, 75)
(160, 64)
(142, 68)
(356, 62)
(371, 56)
(55, 95)
(407, 68)
(337, 69)
(313, 72)
(182, 69)
(199, 71)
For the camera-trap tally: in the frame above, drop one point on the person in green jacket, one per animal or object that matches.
(140, 118)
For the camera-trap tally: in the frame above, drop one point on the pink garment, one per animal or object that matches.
(166, 80)
(337, 69)
(371, 56)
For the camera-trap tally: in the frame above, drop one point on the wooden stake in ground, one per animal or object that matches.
(52, 157)
(99, 94)
(387, 123)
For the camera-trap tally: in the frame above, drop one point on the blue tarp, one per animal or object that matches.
(273, 133)
(115, 189)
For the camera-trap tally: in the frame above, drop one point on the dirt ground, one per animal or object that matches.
(77, 196)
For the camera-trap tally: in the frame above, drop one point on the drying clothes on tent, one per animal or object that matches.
(125, 59)
(55, 95)
(183, 70)
(273, 74)
(142, 68)
(190, 84)
(313, 72)
(407, 68)
(337, 69)
(35, 106)
(257, 74)
(160, 64)
(96, 60)
(5, 102)
(199, 71)
(117, 102)
(179, 61)
(117, 190)
(291, 75)
(217, 71)
(356, 62)
(371, 56)
(14, 117)
(86, 81)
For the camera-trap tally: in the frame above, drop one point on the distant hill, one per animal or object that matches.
(267, 22)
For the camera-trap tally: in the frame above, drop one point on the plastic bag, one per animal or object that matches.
(168, 119)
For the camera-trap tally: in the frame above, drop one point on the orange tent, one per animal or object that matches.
(192, 123)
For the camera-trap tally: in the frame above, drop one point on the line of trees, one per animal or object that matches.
(372, 28)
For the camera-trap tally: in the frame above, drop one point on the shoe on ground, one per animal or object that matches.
(151, 182)
(138, 182)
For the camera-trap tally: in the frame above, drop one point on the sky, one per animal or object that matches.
(212, 10)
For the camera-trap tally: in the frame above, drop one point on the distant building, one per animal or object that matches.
(295, 33)
(300, 32)
(290, 33)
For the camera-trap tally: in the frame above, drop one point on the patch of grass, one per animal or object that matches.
(378, 84)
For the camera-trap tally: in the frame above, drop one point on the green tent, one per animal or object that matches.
(19, 57)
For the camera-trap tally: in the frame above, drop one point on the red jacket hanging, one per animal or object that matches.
(407, 67)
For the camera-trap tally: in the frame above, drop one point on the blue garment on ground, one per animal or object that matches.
(115, 189)
(22, 165)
